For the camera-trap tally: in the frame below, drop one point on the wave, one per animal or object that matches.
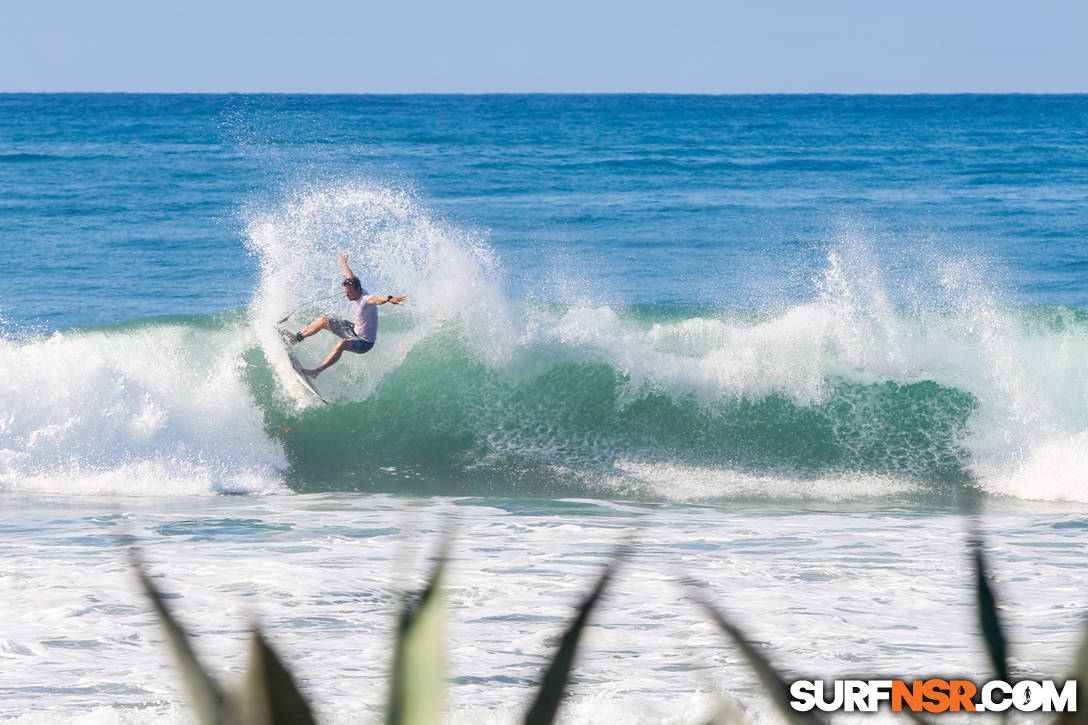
(471, 393)
(567, 405)
(689, 405)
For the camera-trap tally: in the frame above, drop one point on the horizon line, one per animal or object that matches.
(541, 93)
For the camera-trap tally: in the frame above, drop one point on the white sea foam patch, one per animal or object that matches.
(673, 482)
(828, 591)
(712, 358)
(1027, 371)
(174, 715)
(158, 410)
(1054, 470)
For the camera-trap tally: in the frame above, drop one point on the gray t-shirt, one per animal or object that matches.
(366, 318)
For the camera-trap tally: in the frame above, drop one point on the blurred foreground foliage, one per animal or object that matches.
(269, 694)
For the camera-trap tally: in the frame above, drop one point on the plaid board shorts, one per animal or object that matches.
(346, 330)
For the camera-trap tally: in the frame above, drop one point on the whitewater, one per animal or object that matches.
(790, 347)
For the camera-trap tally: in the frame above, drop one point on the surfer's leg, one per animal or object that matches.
(331, 359)
(321, 323)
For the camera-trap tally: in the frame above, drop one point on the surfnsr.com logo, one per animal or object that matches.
(934, 695)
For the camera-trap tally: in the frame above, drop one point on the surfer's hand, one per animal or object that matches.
(343, 259)
(398, 300)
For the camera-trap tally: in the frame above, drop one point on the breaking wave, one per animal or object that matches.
(469, 392)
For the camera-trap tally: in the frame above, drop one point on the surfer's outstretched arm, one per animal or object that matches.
(382, 299)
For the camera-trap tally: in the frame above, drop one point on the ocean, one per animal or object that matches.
(788, 344)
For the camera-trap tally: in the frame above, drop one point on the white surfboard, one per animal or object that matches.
(306, 380)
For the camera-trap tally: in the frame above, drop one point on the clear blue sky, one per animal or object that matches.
(470, 46)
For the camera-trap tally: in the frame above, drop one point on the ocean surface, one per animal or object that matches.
(787, 343)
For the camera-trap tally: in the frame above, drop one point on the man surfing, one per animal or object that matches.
(358, 336)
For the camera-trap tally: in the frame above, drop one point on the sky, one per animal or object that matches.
(521, 46)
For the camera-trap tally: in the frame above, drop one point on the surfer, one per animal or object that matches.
(358, 336)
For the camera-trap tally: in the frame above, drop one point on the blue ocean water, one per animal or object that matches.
(723, 201)
(792, 337)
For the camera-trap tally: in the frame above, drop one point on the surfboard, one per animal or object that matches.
(306, 380)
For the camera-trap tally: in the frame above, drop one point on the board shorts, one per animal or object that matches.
(346, 330)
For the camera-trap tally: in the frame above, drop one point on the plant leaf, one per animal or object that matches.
(270, 695)
(554, 683)
(989, 621)
(208, 699)
(418, 677)
(772, 682)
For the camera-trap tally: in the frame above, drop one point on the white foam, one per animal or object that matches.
(160, 409)
(672, 482)
(1050, 470)
(825, 592)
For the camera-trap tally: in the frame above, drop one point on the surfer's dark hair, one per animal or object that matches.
(351, 282)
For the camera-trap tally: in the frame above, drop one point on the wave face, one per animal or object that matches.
(468, 392)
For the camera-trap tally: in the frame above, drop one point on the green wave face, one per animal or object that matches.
(471, 429)
(445, 421)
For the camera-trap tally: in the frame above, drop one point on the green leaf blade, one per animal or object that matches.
(554, 683)
(773, 683)
(208, 699)
(989, 620)
(270, 695)
(418, 679)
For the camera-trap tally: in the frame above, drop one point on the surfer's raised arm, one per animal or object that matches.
(344, 263)
(370, 299)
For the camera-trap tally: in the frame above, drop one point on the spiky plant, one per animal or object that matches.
(269, 695)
